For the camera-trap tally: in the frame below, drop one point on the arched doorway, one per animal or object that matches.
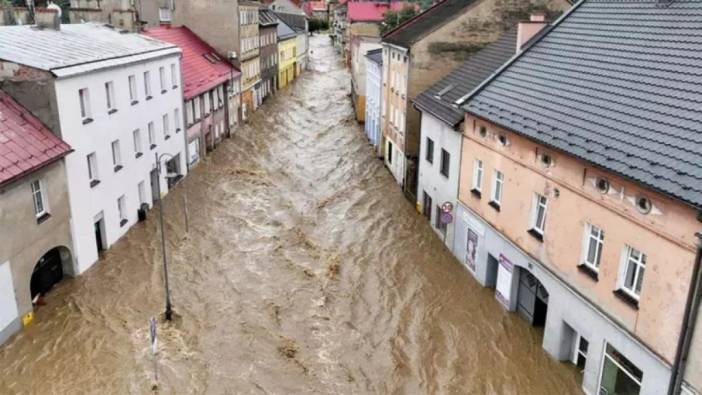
(532, 298)
(50, 270)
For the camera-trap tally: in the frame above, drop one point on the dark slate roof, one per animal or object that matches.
(465, 78)
(616, 83)
(295, 21)
(415, 28)
(376, 56)
(284, 31)
(266, 17)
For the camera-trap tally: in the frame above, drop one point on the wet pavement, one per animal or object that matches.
(304, 270)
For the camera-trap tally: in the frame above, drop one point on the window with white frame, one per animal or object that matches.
(445, 164)
(147, 84)
(174, 75)
(110, 96)
(538, 216)
(176, 119)
(116, 156)
(164, 14)
(166, 127)
(592, 247)
(40, 206)
(122, 209)
(93, 170)
(196, 107)
(152, 135)
(477, 175)
(632, 271)
(133, 94)
(84, 97)
(497, 184)
(136, 134)
(162, 78)
(206, 99)
(142, 192)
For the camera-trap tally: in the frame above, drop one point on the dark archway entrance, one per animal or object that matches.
(532, 299)
(48, 271)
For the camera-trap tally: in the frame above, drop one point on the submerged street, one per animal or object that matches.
(304, 270)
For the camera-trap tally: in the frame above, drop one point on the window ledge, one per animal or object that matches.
(164, 91)
(626, 298)
(123, 222)
(87, 121)
(94, 183)
(476, 193)
(494, 205)
(112, 111)
(43, 218)
(536, 234)
(118, 168)
(138, 155)
(135, 102)
(167, 137)
(149, 97)
(152, 146)
(445, 175)
(588, 271)
(177, 130)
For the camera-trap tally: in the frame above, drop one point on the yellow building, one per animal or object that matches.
(287, 51)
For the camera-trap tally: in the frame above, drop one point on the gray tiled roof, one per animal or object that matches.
(284, 31)
(414, 29)
(75, 44)
(616, 83)
(266, 17)
(465, 78)
(297, 22)
(376, 56)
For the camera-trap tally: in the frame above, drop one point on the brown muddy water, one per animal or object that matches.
(305, 270)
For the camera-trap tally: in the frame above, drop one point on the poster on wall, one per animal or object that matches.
(471, 249)
(503, 288)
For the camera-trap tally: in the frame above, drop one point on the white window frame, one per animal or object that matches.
(196, 106)
(39, 198)
(189, 113)
(147, 84)
(640, 267)
(122, 208)
(605, 357)
(176, 119)
(206, 102)
(174, 75)
(84, 97)
(110, 95)
(116, 154)
(136, 135)
(538, 221)
(133, 93)
(498, 186)
(93, 172)
(151, 130)
(166, 126)
(593, 234)
(162, 78)
(477, 175)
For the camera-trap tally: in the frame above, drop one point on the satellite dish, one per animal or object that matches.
(53, 6)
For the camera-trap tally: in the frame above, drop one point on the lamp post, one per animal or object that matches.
(169, 310)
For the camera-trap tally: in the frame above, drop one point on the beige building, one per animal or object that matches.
(251, 95)
(424, 49)
(36, 248)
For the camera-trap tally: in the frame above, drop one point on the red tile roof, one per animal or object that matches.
(25, 143)
(372, 11)
(199, 73)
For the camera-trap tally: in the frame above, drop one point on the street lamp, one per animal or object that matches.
(169, 309)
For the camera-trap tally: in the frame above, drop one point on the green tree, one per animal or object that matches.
(392, 19)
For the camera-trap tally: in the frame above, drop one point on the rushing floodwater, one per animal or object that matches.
(305, 270)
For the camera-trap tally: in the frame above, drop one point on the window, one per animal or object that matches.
(430, 150)
(176, 119)
(633, 271)
(477, 175)
(592, 251)
(110, 97)
(497, 182)
(93, 170)
(189, 113)
(174, 76)
(137, 143)
(40, 209)
(445, 162)
(580, 352)
(162, 78)
(206, 99)
(142, 192)
(438, 223)
(133, 96)
(538, 221)
(147, 84)
(389, 152)
(122, 209)
(426, 205)
(116, 156)
(196, 106)
(84, 96)
(619, 375)
(164, 14)
(166, 127)
(152, 135)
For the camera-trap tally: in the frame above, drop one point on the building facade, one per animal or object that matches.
(451, 31)
(578, 209)
(374, 89)
(211, 113)
(118, 108)
(268, 31)
(36, 252)
(287, 51)
(298, 23)
(360, 45)
(250, 63)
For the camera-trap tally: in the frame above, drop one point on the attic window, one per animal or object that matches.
(602, 185)
(503, 139)
(643, 204)
(482, 131)
(546, 160)
(444, 91)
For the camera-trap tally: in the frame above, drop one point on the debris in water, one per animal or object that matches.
(289, 349)
(333, 267)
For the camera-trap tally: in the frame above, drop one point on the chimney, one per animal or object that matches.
(526, 30)
(47, 18)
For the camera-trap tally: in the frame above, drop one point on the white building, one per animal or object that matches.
(116, 98)
(374, 97)
(441, 135)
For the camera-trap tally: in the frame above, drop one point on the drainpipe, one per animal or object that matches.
(689, 320)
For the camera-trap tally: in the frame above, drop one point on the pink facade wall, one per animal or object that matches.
(666, 235)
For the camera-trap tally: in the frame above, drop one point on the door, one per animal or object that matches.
(532, 299)
(155, 194)
(99, 228)
(47, 273)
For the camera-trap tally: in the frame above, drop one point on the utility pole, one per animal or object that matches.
(169, 310)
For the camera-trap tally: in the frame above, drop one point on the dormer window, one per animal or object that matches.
(503, 140)
(643, 204)
(602, 185)
(546, 160)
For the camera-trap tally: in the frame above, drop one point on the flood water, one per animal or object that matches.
(304, 270)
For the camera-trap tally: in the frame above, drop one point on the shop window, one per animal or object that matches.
(619, 375)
